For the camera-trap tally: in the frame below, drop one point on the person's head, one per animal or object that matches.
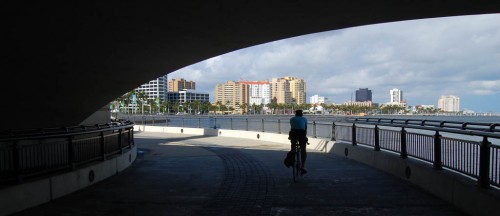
(298, 113)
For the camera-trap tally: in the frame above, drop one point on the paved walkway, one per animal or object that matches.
(179, 174)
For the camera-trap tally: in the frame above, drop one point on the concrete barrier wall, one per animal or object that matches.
(455, 188)
(30, 194)
(316, 144)
(463, 192)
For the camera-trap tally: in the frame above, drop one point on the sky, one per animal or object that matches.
(424, 58)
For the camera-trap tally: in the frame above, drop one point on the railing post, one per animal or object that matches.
(17, 161)
(182, 121)
(484, 163)
(166, 121)
(314, 129)
(246, 123)
(199, 122)
(262, 125)
(231, 123)
(103, 149)
(354, 134)
(279, 126)
(376, 132)
(120, 141)
(153, 123)
(143, 122)
(130, 138)
(438, 163)
(71, 153)
(404, 154)
(333, 132)
(215, 123)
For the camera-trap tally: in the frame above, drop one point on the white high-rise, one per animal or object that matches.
(396, 96)
(449, 103)
(157, 88)
(316, 99)
(259, 92)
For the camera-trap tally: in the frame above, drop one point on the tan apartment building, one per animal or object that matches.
(232, 94)
(280, 91)
(176, 85)
(288, 90)
(298, 89)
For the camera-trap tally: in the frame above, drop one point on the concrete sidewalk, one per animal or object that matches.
(179, 174)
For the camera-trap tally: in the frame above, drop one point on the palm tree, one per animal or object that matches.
(166, 105)
(188, 106)
(152, 105)
(206, 107)
(196, 104)
(272, 106)
(128, 98)
(281, 107)
(218, 104)
(243, 107)
(259, 108)
(227, 105)
(141, 98)
(254, 107)
(237, 107)
(177, 105)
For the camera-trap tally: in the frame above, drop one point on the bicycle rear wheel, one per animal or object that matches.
(295, 172)
(297, 164)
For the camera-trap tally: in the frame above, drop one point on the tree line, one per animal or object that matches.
(145, 105)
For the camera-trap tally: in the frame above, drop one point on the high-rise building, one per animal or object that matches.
(288, 90)
(232, 94)
(363, 95)
(259, 92)
(176, 85)
(396, 96)
(316, 99)
(298, 89)
(449, 103)
(280, 91)
(156, 88)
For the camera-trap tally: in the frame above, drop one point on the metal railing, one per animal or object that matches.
(26, 154)
(464, 147)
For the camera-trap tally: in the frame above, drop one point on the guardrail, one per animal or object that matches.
(26, 154)
(464, 147)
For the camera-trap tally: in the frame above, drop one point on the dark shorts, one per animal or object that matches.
(298, 135)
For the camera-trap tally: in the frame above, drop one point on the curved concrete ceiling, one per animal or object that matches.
(63, 61)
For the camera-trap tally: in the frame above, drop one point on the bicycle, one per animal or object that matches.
(297, 162)
(296, 167)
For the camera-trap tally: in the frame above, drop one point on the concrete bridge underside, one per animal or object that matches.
(63, 61)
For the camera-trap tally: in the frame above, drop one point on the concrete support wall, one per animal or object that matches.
(461, 191)
(101, 116)
(30, 194)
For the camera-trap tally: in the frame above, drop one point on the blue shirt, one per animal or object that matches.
(298, 122)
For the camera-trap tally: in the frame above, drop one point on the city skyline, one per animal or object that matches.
(400, 95)
(424, 58)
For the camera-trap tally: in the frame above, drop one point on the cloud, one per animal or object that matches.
(424, 58)
(485, 87)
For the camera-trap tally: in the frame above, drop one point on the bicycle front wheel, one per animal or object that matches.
(296, 165)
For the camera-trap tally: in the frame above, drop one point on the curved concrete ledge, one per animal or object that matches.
(30, 194)
(461, 191)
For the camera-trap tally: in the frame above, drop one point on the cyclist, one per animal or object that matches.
(298, 132)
